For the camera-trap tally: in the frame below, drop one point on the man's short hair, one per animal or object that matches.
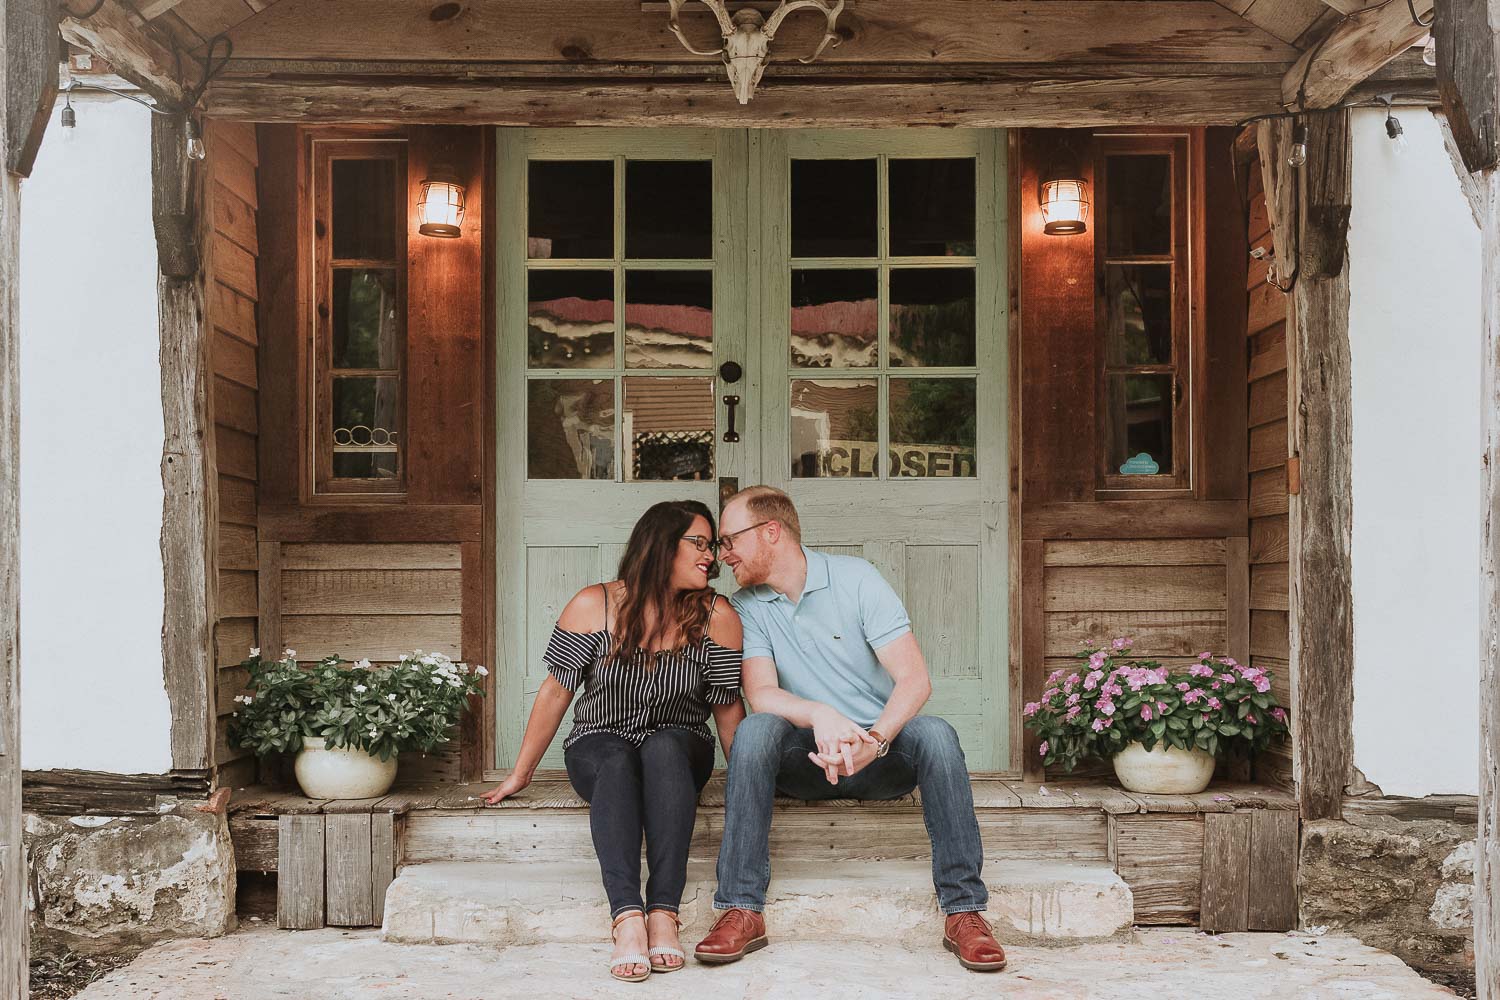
(767, 503)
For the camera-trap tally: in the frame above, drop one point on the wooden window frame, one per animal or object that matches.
(324, 152)
(1186, 299)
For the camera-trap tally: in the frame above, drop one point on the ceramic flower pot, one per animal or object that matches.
(1164, 770)
(341, 773)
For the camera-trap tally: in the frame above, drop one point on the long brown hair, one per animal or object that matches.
(646, 571)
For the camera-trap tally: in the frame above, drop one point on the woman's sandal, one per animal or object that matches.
(628, 960)
(662, 951)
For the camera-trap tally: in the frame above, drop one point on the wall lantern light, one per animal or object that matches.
(1065, 202)
(440, 211)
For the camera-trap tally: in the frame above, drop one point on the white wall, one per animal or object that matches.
(92, 694)
(1414, 289)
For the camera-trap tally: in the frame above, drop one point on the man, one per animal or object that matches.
(835, 680)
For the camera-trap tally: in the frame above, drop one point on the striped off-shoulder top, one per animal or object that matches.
(635, 698)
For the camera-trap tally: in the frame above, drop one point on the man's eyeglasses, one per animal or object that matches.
(726, 542)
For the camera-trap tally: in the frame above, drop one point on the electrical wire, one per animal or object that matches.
(98, 6)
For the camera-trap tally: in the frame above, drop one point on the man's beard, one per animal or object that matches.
(752, 572)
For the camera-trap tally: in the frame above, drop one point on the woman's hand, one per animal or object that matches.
(510, 786)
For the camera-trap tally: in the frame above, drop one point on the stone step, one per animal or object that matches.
(517, 903)
(806, 832)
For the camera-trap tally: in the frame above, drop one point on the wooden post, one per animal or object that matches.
(1467, 33)
(190, 487)
(1309, 209)
(30, 81)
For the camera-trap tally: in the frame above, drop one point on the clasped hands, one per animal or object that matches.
(844, 748)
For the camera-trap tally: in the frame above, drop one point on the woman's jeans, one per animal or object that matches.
(651, 789)
(770, 755)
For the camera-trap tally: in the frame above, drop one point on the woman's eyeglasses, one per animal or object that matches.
(702, 544)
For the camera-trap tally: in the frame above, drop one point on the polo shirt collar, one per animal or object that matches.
(817, 576)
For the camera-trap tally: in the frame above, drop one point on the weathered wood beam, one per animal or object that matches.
(134, 50)
(1357, 46)
(1063, 100)
(31, 57)
(1468, 65)
(14, 946)
(189, 482)
(942, 31)
(1309, 209)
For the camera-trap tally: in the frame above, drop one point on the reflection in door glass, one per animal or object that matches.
(932, 427)
(669, 428)
(932, 317)
(669, 319)
(570, 428)
(1138, 314)
(570, 319)
(835, 318)
(833, 428)
(1140, 418)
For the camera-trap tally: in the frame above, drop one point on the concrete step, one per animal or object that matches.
(516, 903)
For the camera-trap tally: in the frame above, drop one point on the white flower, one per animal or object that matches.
(244, 699)
(254, 650)
(288, 654)
(360, 689)
(391, 697)
(365, 664)
(481, 671)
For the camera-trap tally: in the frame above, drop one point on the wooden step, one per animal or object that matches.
(527, 902)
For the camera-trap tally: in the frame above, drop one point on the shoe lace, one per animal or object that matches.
(733, 917)
(971, 921)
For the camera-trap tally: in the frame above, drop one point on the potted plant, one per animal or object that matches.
(1161, 726)
(346, 722)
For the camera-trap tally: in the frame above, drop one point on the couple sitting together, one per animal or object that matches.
(824, 650)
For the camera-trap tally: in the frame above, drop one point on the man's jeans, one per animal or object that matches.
(770, 755)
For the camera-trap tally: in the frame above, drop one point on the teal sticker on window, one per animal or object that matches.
(1141, 465)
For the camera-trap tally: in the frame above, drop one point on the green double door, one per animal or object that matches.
(683, 312)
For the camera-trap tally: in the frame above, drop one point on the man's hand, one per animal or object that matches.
(831, 730)
(851, 759)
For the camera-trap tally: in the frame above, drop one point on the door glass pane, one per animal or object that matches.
(932, 427)
(365, 434)
(835, 319)
(570, 428)
(1138, 304)
(669, 428)
(1140, 205)
(932, 317)
(366, 328)
(570, 209)
(669, 319)
(932, 208)
(1140, 422)
(833, 427)
(570, 319)
(363, 196)
(669, 209)
(834, 208)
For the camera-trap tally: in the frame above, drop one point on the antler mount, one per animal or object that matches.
(748, 34)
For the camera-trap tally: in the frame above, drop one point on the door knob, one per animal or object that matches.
(731, 372)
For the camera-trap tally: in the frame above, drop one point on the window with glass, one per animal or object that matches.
(359, 229)
(620, 319)
(883, 375)
(1142, 311)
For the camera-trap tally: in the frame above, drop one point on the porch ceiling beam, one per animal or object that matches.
(874, 31)
(133, 49)
(30, 79)
(1061, 100)
(1357, 46)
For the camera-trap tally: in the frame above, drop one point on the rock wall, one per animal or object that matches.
(1401, 881)
(108, 883)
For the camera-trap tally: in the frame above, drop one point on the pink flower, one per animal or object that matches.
(1201, 670)
(1205, 716)
(1279, 714)
(1161, 708)
(1262, 685)
(1113, 690)
(1043, 747)
(1193, 695)
(1204, 656)
(1073, 698)
(1146, 713)
(1183, 685)
(1227, 678)
(1098, 725)
(1073, 712)
(1054, 677)
(1105, 705)
(1092, 680)
(1121, 643)
(1215, 685)
(1215, 704)
(1072, 679)
(1031, 708)
(1229, 661)
(1250, 718)
(1048, 694)
(1097, 658)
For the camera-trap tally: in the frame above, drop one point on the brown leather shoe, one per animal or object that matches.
(968, 936)
(733, 936)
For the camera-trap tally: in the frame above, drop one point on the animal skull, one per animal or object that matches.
(747, 38)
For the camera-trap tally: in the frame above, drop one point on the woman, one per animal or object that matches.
(655, 651)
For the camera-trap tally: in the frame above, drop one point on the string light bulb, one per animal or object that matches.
(1394, 130)
(193, 141)
(1297, 156)
(1429, 51)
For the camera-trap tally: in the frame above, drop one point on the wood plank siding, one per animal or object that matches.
(231, 295)
(1266, 319)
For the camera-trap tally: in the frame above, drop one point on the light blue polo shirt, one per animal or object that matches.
(824, 645)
